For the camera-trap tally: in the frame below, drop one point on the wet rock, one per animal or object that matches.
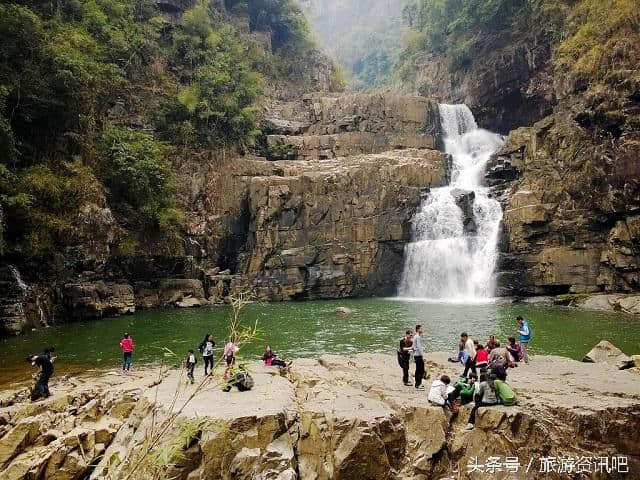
(344, 311)
(98, 299)
(606, 352)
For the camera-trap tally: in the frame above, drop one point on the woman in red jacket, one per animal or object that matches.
(127, 346)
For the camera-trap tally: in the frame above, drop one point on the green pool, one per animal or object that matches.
(310, 328)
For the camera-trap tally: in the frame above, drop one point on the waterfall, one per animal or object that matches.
(453, 250)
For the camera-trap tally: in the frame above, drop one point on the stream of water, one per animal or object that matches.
(452, 255)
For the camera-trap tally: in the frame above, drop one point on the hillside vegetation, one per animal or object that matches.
(96, 96)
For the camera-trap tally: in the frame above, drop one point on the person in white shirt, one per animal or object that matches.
(418, 357)
(470, 348)
(439, 391)
(190, 364)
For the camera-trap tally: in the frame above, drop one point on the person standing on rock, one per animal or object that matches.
(41, 389)
(190, 364)
(230, 350)
(127, 346)
(470, 349)
(206, 349)
(525, 337)
(404, 356)
(418, 357)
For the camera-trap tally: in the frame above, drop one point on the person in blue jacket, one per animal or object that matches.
(525, 337)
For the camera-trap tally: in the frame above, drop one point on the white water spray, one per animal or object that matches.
(444, 262)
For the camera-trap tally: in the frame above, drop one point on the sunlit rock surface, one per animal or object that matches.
(332, 418)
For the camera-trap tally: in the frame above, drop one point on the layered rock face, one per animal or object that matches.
(328, 218)
(331, 418)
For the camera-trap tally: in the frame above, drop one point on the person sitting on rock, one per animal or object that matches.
(438, 393)
(482, 357)
(269, 359)
(485, 397)
(514, 349)
(461, 356)
(500, 355)
(464, 389)
(491, 343)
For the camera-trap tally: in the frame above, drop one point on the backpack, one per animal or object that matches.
(201, 346)
(505, 393)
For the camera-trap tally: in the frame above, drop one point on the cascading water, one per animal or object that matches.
(452, 254)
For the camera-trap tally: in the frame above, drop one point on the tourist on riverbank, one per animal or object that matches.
(190, 364)
(41, 389)
(230, 350)
(464, 388)
(404, 356)
(438, 393)
(482, 357)
(206, 349)
(269, 359)
(470, 349)
(525, 337)
(418, 357)
(485, 397)
(514, 349)
(127, 346)
(491, 343)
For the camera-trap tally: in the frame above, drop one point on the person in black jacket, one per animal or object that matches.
(404, 356)
(41, 390)
(206, 349)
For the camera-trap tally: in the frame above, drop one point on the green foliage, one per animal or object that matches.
(96, 95)
(595, 27)
(216, 100)
(138, 178)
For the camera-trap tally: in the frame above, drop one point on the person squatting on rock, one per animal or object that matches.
(464, 389)
(482, 357)
(439, 391)
(418, 357)
(240, 379)
(485, 397)
(525, 337)
(470, 351)
(206, 349)
(404, 356)
(514, 349)
(269, 358)
(127, 346)
(190, 364)
(43, 362)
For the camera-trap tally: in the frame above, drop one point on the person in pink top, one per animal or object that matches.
(229, 353)
(127, 346)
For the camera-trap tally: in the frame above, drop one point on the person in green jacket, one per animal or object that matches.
(464, 388)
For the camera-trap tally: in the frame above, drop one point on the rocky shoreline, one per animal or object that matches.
(331, 418)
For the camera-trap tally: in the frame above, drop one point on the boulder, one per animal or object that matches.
(606, 352)
(22, 435)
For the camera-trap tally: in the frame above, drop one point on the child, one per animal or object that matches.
(190, 364)
(438, 391)
(127, 346)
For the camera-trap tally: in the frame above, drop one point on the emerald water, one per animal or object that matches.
(311, 328)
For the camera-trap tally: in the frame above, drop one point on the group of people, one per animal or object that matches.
(491, 359)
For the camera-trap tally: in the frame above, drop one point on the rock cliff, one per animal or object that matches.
(331, 418)
(322, 212)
